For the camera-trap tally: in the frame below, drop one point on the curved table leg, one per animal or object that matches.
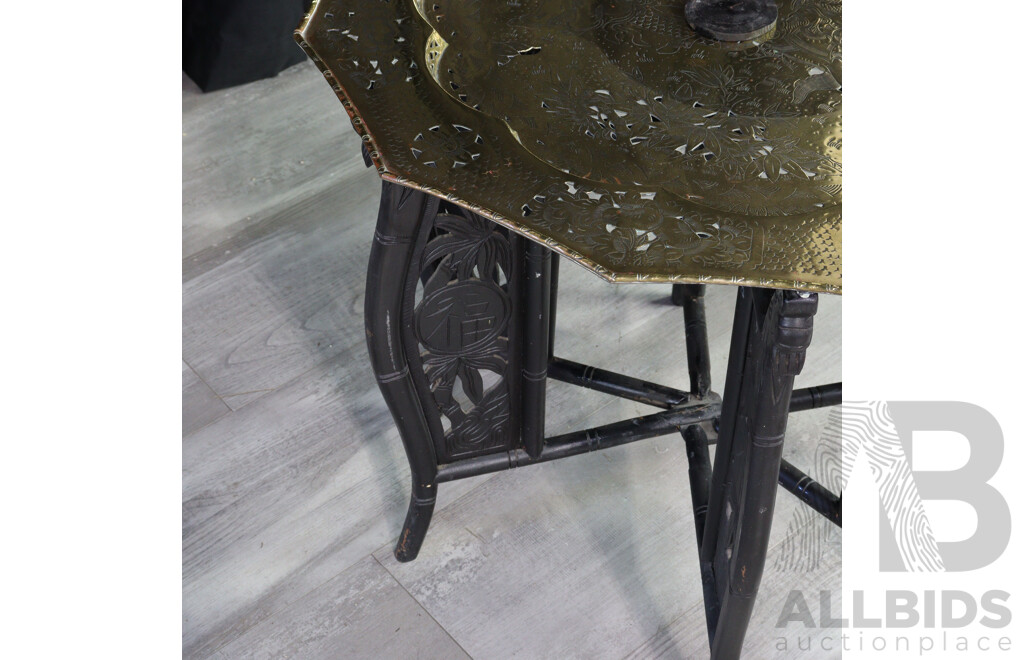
(403, 212)
(444, 327)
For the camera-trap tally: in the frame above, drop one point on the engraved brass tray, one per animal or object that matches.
(608, 129)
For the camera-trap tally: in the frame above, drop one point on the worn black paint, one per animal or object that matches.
(619, 385)
(537, 328)
(732, 502)
(770, 338)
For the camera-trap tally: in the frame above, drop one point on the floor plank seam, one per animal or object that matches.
(207, 425)
(284, 606)
(282, 216)
(227, 409)
(415, 600)
(268, 392)
(203, 381)
(699, 608)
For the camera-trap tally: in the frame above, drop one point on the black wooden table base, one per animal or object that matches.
(460, 317)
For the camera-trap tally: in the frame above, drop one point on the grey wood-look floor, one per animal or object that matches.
(295, 483)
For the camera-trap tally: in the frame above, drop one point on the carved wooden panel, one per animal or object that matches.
(463, 319)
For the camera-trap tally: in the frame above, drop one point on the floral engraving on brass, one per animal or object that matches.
(610, 130)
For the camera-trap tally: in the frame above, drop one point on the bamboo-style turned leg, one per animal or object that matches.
(771, 333)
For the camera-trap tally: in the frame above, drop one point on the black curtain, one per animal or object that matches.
(230, 42)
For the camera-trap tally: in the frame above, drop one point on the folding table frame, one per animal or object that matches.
(460, 318)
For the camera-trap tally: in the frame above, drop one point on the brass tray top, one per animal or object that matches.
(608, 129)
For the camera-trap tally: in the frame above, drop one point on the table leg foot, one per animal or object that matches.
(415, 528)
(391, 276)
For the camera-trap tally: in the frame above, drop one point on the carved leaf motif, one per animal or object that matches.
(470, 244)
(472, 382)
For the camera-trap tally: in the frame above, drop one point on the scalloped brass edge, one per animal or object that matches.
(601, 271)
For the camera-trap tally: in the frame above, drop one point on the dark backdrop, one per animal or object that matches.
(230, 42)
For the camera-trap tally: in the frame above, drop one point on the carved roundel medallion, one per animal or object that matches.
(462, 317)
